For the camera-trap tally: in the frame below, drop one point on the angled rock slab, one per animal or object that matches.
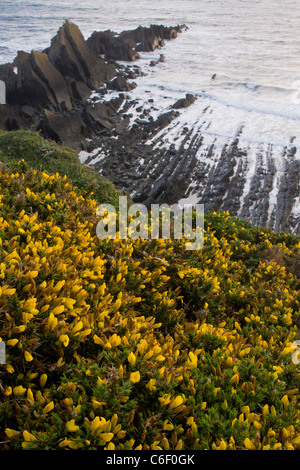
(70, 54)
(41, 85)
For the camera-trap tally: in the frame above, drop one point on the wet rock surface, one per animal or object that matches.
(261, 187)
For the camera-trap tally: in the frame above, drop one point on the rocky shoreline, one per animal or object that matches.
(49, 91)
(80, 93)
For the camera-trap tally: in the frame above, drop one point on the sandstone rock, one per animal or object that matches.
(70, 54)
(68, 130)
(40, 85)
(99, 117)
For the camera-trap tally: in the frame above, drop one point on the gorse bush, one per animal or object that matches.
(141, 344)
(46, 155)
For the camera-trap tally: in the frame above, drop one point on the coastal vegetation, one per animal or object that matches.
(138, 344)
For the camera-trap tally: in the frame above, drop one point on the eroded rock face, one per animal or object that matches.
(40, 85)
(70, 54)
(68, 130)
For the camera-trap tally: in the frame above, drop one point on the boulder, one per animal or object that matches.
(68, 130)
(70, 54)
(99, 116)
(120, 84)
(184, 102)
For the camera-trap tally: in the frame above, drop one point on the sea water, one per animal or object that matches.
(240, 57)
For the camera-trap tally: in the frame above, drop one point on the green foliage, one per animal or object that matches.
(139, 344)
(46, 155)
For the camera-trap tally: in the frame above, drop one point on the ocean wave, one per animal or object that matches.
(259, 109)
(259, 87)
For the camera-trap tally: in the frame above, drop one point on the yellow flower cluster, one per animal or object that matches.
(140, 344)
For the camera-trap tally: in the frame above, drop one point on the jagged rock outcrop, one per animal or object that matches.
(70, 54)
(127, 45)
(40, 85)
(49, 90)
(112, 46)
(57, 78)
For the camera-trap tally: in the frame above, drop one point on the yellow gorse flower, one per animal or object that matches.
(131, 358)
(135, 377)
(71, 426)
(192, 360)
(84, 320)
